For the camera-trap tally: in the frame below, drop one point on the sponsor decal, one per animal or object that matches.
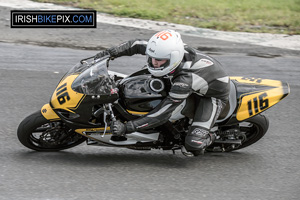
(207, 62)
(142, 126)
(114, 91)
(200, 132)
(198, 142)
(181, 84)
(176, 101)
(151, 50)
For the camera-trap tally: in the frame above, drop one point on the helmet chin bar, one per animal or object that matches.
(167, 67)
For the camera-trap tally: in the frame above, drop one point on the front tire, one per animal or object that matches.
(40, 134)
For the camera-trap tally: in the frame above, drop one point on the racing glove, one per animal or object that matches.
(120, 129)
(101, 54)
(112, 52)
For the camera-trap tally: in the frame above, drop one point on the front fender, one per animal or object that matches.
(49, 113)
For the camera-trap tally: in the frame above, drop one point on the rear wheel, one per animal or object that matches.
(254, 129)
(251, 131)
(40, 134)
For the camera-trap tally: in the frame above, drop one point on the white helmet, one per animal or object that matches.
(165, 45)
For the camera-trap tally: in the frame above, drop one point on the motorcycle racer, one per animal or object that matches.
(191, 72)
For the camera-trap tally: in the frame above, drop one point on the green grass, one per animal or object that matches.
(269, 16)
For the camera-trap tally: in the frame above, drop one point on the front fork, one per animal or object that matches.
(105, 113)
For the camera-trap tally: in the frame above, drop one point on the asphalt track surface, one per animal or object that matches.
(29, 74)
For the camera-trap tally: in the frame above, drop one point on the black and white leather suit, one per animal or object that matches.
(197, 74)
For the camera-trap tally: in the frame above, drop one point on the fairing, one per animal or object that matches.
(256, 95)
(81, 92)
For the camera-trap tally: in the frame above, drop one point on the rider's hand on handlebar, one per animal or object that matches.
(112, 52)
(101, 54)
(118, 128)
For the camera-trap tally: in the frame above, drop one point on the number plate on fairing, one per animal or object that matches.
(257, 95)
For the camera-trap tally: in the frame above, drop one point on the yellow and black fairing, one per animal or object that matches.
(83, 90)
(255, 95)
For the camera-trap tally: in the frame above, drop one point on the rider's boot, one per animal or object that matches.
(197, 140)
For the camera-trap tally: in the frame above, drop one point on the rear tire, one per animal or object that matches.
(259, 125)
(253, 129)
(37, 133)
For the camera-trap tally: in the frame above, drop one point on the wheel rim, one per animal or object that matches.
(53, 135)
(251, 130)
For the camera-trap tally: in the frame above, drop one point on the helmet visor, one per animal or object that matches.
(157, 63)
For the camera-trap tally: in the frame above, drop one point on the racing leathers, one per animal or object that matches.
(197, 74)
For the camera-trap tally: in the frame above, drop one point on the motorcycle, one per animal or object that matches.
(90, 97)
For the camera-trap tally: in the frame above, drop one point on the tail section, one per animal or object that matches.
(257, 95)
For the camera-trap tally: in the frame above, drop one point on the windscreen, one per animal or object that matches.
(95, 80)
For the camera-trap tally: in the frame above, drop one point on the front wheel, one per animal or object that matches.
(40, 134)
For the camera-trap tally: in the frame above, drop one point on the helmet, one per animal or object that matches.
(165, 45)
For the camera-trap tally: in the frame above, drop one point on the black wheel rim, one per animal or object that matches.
(53, 135)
